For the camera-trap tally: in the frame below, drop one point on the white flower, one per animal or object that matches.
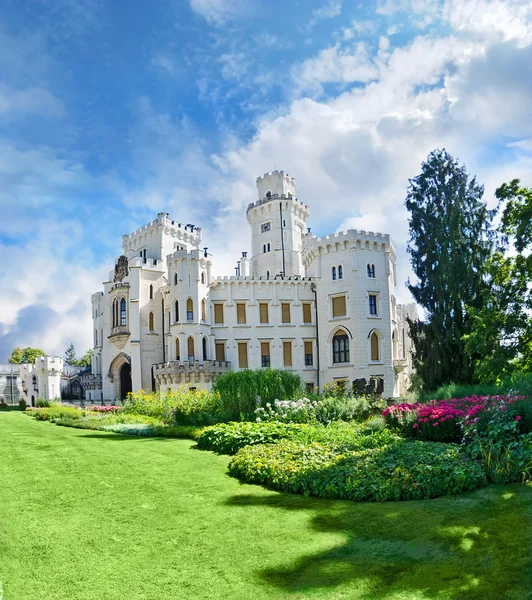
(258, 420)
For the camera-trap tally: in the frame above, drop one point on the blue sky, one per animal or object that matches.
(113, 111)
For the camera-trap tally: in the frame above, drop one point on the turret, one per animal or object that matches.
(278, 221)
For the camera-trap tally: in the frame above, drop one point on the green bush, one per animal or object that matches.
(240, 390)
(3, 405)
(57, 411)
(228, 438)
(43, 403)
(22, 404)
(355, 408)
(405, 470)
(182, 406)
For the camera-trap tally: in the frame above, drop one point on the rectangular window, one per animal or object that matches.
(308, 354)
(287, 354)
(372, 304)
(371, 271)
(240, 313)
(243, 355)
(218, 313)
(339, 306)
(263, 309)
(220, 351)
(265, 354)
(265, 227)
(307, 312)
(285, 312)
(309, 387)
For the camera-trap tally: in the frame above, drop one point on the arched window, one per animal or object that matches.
(150, 322)
(340, 347)
(203, 310)
(176, 311)
(177, 352)
(190, 310)
(204, 347)
(334, 273)
(374, 342)
(115, 312)
(264, 248)
(190, 348)
(175, 278)
(269, 247)
(151, 292)
(203, 277)
(340, 272)
(268, 274)
(123, 312)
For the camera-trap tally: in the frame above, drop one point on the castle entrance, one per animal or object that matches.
(125, 381)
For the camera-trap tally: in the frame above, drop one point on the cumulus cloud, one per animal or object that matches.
(217, 12)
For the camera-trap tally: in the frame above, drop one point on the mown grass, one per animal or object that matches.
(86, 515)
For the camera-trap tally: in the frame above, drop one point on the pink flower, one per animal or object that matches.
(426, 420)
(518, 418)
(416, 425)
(435, 424)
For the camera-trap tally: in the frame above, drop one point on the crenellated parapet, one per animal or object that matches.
(269, 204)
(186, 234)
(313, 246)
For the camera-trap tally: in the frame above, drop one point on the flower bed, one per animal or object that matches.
(111, 408)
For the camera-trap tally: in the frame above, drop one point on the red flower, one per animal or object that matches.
(518, 418)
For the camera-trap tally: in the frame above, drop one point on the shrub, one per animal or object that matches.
(289, 411)
(345, 408)
(228, 438)
(22, 404)
(57, 411)
(408, 470)
(43, 403)
(145, 430)
(3, 405)
(242, 392)
(182, 406)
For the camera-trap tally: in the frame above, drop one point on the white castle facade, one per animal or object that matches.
(323, 308)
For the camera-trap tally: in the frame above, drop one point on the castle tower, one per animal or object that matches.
(278, 222)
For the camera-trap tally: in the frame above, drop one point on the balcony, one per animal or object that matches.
(119, 336)
(400, 364)
(183, 372)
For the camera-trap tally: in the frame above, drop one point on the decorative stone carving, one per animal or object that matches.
(121, 268)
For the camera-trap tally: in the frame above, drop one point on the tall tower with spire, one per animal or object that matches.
(278, 222)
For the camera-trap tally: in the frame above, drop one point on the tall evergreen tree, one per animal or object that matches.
(450, 243)
(70, 355)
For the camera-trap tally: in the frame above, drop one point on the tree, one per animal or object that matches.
(70, 355)
(502, 330)
(450, 243)
(86, 359)
(25, 355)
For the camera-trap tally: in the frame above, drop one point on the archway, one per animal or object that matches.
(125, 381)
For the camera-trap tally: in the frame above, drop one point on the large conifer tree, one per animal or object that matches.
(449, 244)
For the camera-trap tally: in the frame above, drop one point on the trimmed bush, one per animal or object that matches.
(406, 470)
(57, 411)
(42, 403)
(3, 405)
(228, 438)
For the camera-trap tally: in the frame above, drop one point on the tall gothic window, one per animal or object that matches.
(203, 310)
(177, 351)
(151, 292)
(123, 312)
(175, 278)
(340, 272)
(340, 347)
(190, 310)
(334, 273)
(176, 311)
(151, 323)
(374, 342)
(190, 348)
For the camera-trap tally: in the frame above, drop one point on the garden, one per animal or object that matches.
(105, 502)
(332, 445)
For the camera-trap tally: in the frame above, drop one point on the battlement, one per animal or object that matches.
(276, 182)
(186, 233)
(249, 278)
(350, 234)
(187, 254)
(49, 363)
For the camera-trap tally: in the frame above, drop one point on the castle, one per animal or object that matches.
(322, 307)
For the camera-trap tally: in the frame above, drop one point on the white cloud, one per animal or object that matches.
(335, 65)
(217, 12)
(32, 101)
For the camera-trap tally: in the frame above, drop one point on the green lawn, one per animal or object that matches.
(97, 515)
